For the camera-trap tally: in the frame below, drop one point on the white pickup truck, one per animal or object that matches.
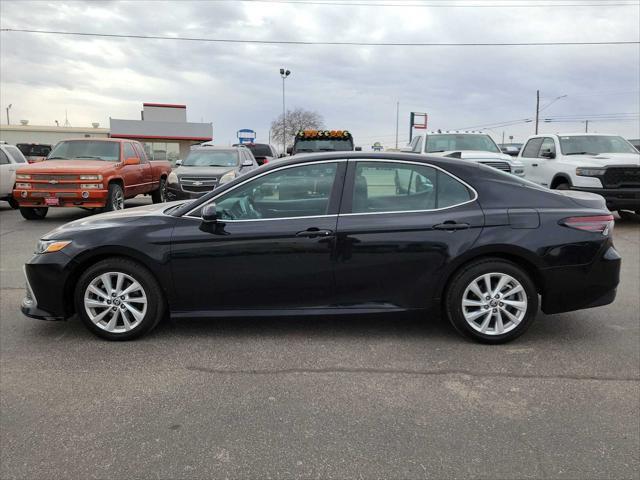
(471, 146)
(604, 164)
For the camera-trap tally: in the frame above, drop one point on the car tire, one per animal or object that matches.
(34, 213)
(13, 203)
(115, 198)
(160, 194)
(119, 299)
(499, 318)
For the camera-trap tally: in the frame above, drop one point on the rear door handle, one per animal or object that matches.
(314, 232)
(449, 225)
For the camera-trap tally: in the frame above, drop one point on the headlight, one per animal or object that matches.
(590, 172)
(50, 246)
(173, 178)
(90, 185)
(23, 176)
(23, 185)
(518, 171)
(90, 177)
(227, 177)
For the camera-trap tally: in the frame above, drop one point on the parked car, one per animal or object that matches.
(34, 152)
(10, 159)
(89, 173)
(510, 148)
(471, 146)
(207, 167)
(636, 143)
(262, 152)
(604, 164)
(331, 234)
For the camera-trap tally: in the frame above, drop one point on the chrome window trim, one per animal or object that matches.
(284, 167)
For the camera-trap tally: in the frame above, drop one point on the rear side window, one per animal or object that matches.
(16, 154)
(4, 159)
(401, 187)
(532, 148)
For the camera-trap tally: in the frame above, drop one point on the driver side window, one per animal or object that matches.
(299, 191)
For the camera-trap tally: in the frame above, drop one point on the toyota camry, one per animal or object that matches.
(336, 233)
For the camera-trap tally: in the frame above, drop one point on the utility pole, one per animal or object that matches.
(284, 74)
(586, 126)
(397, 120)
(537, 108)
(503, 137)
(8, 108)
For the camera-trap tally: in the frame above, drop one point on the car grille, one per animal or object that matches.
(504, 166)
(198, 184)
(55, 186)
(622, 177)
(53, 177)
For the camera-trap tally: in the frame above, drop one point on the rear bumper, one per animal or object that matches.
(584, 286)
(616, 198)
(68, 198)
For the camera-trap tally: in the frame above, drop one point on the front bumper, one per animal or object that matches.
(66, 198)
(46, 276)
(174, 192)
(616, 198)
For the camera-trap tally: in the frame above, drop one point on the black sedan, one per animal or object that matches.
(336, 233)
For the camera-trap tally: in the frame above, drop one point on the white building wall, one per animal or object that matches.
(14, 134)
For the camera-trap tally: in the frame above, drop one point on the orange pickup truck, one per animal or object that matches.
(89, 173)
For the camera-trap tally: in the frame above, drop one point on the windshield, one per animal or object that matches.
(86, 149)
(211, 158)
(260, 150)
(313, 145)
(460, 141)
(594, 144)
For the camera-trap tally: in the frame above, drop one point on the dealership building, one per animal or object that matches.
(162, 129)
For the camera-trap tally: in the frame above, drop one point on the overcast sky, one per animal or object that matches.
(238, 86)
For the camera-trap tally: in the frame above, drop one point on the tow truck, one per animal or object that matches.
(307, 141)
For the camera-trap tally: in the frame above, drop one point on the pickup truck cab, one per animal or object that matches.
(590, 162)
(471, 146)
(89, 173)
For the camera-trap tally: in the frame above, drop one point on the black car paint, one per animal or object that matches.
(369, 263)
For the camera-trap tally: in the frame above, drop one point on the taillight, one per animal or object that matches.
(265, 161)
(600, 223)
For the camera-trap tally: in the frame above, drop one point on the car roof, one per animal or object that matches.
(95, 139)
(213, 147)
(578, 134)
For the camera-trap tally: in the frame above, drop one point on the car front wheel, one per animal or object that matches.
(34, 213)
(491, 301)
(119, 299)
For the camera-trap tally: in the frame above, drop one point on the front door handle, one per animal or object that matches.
(314, 232)
(534, 164)
(450, 225)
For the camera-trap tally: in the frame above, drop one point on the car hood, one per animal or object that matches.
(68, 166)
(111, 219)
(475, 155)
(605, 159)
(216, 172)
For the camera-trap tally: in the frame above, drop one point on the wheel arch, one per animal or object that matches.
(559, 178)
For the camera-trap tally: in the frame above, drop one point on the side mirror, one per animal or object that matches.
(358, 149)
(178, 162)
(247, 163)
(547, 154)
(210, 213)
(132, 161)
(289, 150)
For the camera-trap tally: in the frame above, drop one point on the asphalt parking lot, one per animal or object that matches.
(360, 397)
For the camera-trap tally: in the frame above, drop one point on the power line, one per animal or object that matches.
(439, 5)
(301, 42)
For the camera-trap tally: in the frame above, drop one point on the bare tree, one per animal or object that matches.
(298, 119)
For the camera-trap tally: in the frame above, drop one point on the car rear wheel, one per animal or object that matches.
(34, 213)
(159, 195)
(119, 299)
(115, 198)
(491, 301)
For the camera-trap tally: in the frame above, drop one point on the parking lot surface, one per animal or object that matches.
(317, 397)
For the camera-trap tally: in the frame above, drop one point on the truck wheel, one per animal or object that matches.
(34, 213)
(563, 186)
(115, 198)
(160, 194)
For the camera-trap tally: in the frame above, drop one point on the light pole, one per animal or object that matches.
(538, 109)
(8, 108)
(284, 74)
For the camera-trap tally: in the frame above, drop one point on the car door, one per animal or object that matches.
(399, 226)
(7, 174)
(529, 158)
(146, 169)
(132, 174)
(547, 163)
(272, 248)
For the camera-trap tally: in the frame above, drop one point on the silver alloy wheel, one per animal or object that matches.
(118, 200)
(494, 303)
(115, 302)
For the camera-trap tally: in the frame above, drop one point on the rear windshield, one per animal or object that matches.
(29, 150)
(260, 150)
(211, 158)
(459, 141)
(594, 144)
(86, 149)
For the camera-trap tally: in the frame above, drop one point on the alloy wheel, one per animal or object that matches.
(494, 303)
(115, 302)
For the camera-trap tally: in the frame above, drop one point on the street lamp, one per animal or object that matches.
(284, 74)
(8, 108)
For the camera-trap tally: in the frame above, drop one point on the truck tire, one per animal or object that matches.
(159, 195)
(115, 198)
(563, 186)
(34, 213)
